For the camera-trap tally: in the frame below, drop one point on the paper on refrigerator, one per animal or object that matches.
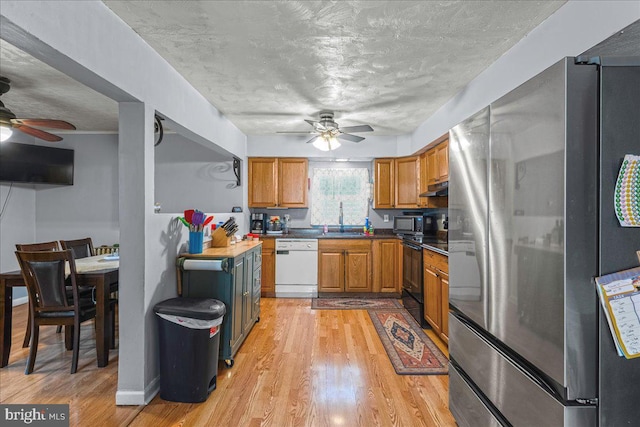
(619, 294)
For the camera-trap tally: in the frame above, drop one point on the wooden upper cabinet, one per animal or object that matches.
(263, 182)
(383, 183)
(407, 174)
(278, 182)
(442, 154)
(438, 163)
(423, 186)
(293, 177)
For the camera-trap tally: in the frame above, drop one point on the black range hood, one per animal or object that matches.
(440, 189)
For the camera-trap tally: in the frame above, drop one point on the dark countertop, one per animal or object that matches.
(381, 233)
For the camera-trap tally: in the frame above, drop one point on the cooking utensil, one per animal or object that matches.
(184, 221)
(188, 215)
(208, 220)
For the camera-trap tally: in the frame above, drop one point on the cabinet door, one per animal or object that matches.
(268, 268)
(235, 312)
(444, 324)
(357, 271)
(330, 271)
(293, 176)
(443, 161)
(263, 188)
(432, 298)
(424, 180)
(385, 265)
(433, 173)
(247, 289)
(407, 182)
(255, 294)
(383, 183)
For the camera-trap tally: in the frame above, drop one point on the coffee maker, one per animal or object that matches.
(258, 223)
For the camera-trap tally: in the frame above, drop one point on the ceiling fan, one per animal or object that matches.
(9, 121)
(328, 132)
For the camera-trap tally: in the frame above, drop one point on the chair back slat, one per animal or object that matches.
(35, 247)
(81, 248)
(44, 275)
(105, 250)
(49, 283)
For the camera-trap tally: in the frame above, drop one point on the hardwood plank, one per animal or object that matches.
(297, 367)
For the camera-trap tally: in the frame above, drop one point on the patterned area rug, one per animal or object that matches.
(354, 303)
(410, 350)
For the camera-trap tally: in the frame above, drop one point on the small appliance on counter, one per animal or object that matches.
(258, 223)
(274, 226)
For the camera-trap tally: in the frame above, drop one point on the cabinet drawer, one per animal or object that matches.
(257, 260)
(436, 260)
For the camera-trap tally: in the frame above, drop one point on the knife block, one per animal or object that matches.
(219, 238)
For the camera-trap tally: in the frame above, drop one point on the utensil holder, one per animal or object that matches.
(195, 242)
(219, 238)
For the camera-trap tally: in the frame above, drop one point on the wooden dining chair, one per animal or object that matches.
(44, 275)
(81, 248)
(37, 247)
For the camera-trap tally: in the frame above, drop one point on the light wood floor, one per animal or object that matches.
(297, 367)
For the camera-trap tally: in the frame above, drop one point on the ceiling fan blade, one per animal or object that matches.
(311, 122)
(45, 123)
(294, 131)
(360, 128)
(352, 138)
(37, 132)
(313, 139)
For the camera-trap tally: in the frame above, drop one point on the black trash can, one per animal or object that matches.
(189, 332)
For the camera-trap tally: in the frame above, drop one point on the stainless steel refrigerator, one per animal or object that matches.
(531, 187)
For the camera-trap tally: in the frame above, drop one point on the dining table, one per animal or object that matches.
(99, 272)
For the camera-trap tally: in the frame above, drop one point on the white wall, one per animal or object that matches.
(191, 176)
(89, 207)
(295, 146)
(17, 225)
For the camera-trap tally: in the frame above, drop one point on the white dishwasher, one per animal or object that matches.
(297, 268)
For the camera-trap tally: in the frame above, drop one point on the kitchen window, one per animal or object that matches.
(331, 186)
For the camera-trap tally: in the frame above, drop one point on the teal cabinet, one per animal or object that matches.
(238, 287)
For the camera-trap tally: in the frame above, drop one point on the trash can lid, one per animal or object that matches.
(195, 308)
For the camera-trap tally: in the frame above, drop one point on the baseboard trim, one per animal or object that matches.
(135, 398)
(20, 301)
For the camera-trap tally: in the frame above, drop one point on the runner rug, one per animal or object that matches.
(410, 350)
(354, 303)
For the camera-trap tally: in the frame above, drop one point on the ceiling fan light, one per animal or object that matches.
(5, 133)
(325, 143)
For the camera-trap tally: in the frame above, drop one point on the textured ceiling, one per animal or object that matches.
(268, 65)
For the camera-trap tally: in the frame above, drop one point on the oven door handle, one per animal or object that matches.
(410, 246)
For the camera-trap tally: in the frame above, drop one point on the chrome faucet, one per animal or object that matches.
(341, 219)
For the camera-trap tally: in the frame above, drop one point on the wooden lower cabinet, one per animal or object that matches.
(387, 266)
(436, 292)
(330, 270)
(344, 265)
(268, 267)
(432, 298)
(444, 326)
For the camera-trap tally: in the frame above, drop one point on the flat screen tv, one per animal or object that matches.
(35, 164)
